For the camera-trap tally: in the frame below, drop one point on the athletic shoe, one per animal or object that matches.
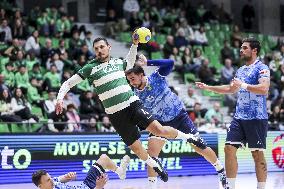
(222, 178)
(123, 167)
(161, 171)
(197, 141)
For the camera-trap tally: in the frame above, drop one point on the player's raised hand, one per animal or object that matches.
(70, 176)
(135, 38)
(201, 85)
(59, 107)
(142, 60)
(101, 181)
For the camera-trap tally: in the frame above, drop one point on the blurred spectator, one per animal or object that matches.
(230, 101)
(180, 40)
(226, 52)
(169, 46)
(19, 30)
(178, 65)
(52, 79)
(197, 60)
(21, 107)
(32, 43)
(147, 21)
(213, 115)
(33, 95)
(73, 118)
(275, 119)
(197, 114)
(236, 53)
(206, 73)
(236, 34)
(6, 110)
(88, 41)
(111, 24)
(189, 34)
(54, 60)
(83, 51)
(63, 26)
(5, 32)
(89, 108)
(43, 23)
(22, 78)
(134, 21)
(75, 43)
(9, 76)
(130, 6)
(3, 85)
(248, 15)
(12, 50)
(227, 72)
(20, 59)
(106, 125)
(187, 59)
(45, 52)
(191, 99)
(200, 37)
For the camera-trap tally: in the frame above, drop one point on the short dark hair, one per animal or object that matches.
(37, 176)
(100, 39)
(254, 43)
(136, 70)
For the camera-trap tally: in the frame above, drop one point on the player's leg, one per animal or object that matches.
(235, 139)
(155, 145)
(145, 121)
(125, 123)
(260, 168)
(107, 163)
(257, 132)
(152, 162)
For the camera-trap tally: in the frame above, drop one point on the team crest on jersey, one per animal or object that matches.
(110, 68)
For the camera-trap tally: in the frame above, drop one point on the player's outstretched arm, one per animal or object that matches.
(165, 65)
(261, 88)
(66, 86)
(222, 89)
(131, 56)
(67, 177)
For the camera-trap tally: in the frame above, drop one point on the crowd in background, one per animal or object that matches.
(43, 48)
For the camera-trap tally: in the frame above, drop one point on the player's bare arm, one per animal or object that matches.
(66, 86)
(222, 89)
(68, 177)
(261, 88)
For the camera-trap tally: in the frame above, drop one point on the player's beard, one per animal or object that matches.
(246, 58)
(102, 59)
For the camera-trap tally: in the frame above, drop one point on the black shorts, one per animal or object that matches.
(128, 121)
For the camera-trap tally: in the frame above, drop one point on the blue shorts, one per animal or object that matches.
(253, 132)
(95, 171)
(181, 122)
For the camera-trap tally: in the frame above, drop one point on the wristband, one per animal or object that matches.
(244, 86)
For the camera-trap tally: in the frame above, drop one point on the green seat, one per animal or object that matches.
(19, 128)
(190, 77)
(35, 127)
(125, 37)
(37, 111)
(156, 55)
(42, 41)
(4, 128)
(55, 42)
(161, 39)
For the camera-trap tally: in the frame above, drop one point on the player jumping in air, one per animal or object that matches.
(123, 107)
(167, 108)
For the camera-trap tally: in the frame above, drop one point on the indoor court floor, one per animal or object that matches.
(244, 181)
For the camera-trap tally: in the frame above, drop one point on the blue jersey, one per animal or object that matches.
(60, 185)
(250, 105)
(158, 99)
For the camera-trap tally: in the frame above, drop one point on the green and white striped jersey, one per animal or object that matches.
(110, 83)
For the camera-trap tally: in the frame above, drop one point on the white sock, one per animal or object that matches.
(182, 136)
(231, 183)
(118, 170)
(152, 182)
(261, 185)
(218, 165)
(151, 162)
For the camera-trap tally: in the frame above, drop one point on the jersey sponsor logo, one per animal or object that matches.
(110, 68)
